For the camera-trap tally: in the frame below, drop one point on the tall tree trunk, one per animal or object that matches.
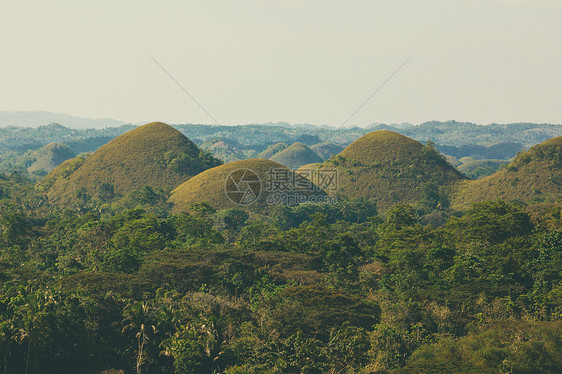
(27, 360)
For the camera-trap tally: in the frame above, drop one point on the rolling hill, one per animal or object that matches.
(297, 155)
(272, 150)
(532, 177)
(241, 184)
(326, 149)
(50, 156)
(155, 154)
(480, 168)
(392, 169)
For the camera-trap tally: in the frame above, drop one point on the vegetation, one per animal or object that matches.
(326, 149)
(50, 156)
(154, 154)
(232, 143)
(477, 169)
(133, 287)
(211, 186)
(392, 168)
(272, 150)
(399, 275)
(297, 155)
(225, 151)
(533, 176)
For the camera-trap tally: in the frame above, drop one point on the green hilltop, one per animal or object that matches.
(272, 150)
(392, 168)
(297, 155)
(155, 154)
(480, 168)
(61, 172)
(50, 156)
(326, 149)
(212, 185)
(532, 177)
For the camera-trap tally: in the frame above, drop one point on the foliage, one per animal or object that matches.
(132, 286)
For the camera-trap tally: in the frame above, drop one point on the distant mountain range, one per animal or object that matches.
(36, 119)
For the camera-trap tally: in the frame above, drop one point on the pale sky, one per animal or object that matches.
(300, 61)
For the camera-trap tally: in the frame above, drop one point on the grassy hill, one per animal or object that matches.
(480, 168)
(452, 160)
(326, 149)
(61, 172)
(214, 186)
(392, 169)
(309, 167)
(155, 154)
(224, 151)
(533, 176)
(50, 156)
(297, 155)
(272, 150)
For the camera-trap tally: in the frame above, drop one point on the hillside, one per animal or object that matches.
(154, 154)
(392, 169)
(297, 155)
(480, 168)
(61, 172)
(272, 150)
(224, 151)
(309, 167)
(38, 118)
(326, 149)
(217, 186)
(533, 176)
(50, 156)
(452, 160)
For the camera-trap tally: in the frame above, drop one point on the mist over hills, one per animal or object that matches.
(40, 118)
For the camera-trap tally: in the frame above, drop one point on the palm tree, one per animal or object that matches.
(138, 318)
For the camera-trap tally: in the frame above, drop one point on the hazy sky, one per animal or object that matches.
(298, 61)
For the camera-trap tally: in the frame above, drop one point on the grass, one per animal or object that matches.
(297, 155)
(309, 167)
(272, 150)
(326, 149)
(209, 186)
(452, 160)
(155, 154)
(50, 156)
(61, 172)
(534, 176)
(392, 169)
(480, 168)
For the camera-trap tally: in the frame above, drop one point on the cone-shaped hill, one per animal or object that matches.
(155, 154)
(309, 167)
(50, 156)
(392, 169)
(251, 185)
(297, 155)
(272, 150)
(63, 171)
(326, 149)
(533, 176)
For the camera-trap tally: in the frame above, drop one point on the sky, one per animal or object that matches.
(298, 61)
